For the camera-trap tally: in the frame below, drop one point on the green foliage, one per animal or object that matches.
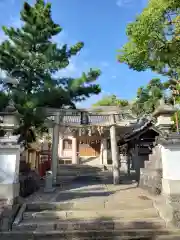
(154, 43)
(148, 97)
(30, 56)
(4, 99)
(111, 100)
(154, 39)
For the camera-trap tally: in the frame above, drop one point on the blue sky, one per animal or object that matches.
(101, 25)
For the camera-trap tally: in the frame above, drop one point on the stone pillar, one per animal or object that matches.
(55, 143)
(74, 151)
(104, 152)
(128, 163)
(61, 147)
(137, 163)
(124, 162)
(114, 151)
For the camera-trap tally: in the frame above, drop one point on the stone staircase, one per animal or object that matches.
(151, 174)
(109, 212)
(77, 169)
(67, 173)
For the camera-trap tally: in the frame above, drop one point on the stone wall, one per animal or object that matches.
(151, 174)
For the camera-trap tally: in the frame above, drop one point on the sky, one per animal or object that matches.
(101, 25)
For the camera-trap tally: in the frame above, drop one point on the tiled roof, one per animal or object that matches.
(143, 124)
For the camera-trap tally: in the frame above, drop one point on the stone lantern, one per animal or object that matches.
(9, 119)
(163, 114)
(10, 154)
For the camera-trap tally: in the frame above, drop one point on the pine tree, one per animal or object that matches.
(30, 56)
(148, 97)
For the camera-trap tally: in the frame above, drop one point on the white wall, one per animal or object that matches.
(171, 162)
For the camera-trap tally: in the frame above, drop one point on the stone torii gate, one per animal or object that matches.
(113, 117)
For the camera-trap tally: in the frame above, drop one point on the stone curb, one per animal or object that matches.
(19, 215)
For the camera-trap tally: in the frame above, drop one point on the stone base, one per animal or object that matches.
(169, 209)
(150, 180)
(9, 191)
(169, 202)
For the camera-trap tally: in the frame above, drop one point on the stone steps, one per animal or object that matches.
(87, 224)
(81, 215)
(67, 178)
(98, 235)
(84, 205)
(99, 224)
(76, 172)
(70, 166)
(69, 172)
(92, 211)
(78, 167)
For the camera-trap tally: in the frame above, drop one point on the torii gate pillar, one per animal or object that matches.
(55, 143)
(114, 152)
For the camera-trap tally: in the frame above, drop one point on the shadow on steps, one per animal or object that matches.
(96, 229)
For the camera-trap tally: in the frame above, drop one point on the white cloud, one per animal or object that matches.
(128, 3)
(75, 68)
(61, 38)
(72, 70)
(114, 76)
(123, 3)
(104, 64)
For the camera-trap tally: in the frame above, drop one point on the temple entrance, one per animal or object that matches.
(89, 148)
